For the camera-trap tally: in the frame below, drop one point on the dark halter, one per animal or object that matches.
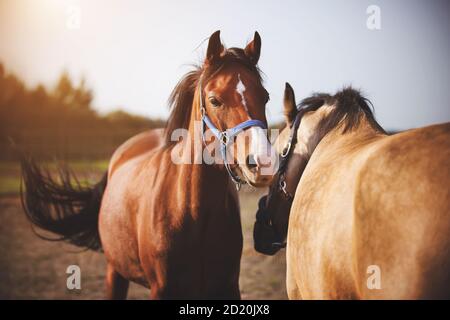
(264, 229)
(285, 155)
(226, 137)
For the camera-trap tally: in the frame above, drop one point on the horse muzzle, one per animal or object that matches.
(266, 240)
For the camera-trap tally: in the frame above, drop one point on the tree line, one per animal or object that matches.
(60, 122)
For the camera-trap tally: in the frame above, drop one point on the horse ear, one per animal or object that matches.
(253, 49)
(290, 107)
(215, 48)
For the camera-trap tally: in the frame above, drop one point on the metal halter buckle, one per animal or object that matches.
(224, 138)
(286, 150)
(283, 187)
(202, 112)
(278, 245)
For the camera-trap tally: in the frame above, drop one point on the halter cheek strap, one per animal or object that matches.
(285, 157)
(226, 137)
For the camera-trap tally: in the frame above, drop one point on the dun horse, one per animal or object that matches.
(368, 213)
(172, 227)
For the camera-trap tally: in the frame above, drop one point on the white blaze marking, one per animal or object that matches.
(259, 146)
(240, 88)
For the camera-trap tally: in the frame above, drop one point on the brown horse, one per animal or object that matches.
(173, 227)
(368, 213)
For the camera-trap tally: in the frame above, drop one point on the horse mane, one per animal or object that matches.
(350, 106)
(182, 97)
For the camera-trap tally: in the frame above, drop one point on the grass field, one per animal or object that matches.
(31, 268)
(10, 173)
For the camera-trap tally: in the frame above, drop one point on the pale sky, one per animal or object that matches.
(132, 53)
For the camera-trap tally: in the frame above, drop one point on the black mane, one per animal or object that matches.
(349, 108)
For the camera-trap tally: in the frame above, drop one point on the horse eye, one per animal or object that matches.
(215, 102)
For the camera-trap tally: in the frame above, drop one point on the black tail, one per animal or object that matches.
(62, 205)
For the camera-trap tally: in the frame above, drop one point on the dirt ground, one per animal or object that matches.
(31, 268)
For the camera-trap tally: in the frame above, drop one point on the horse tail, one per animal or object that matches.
(62, 205)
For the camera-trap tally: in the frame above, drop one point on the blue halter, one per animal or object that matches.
(226, 137)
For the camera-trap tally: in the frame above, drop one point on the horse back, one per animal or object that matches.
(134, 147)
(401, 218)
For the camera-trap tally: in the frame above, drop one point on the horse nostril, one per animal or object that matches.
(251, 162)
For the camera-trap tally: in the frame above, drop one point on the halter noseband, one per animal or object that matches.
(225, 137)
(264, 228)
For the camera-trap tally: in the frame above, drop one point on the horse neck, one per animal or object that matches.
(325, 143)
(363, 133)
(323, 146)
(195, 124)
